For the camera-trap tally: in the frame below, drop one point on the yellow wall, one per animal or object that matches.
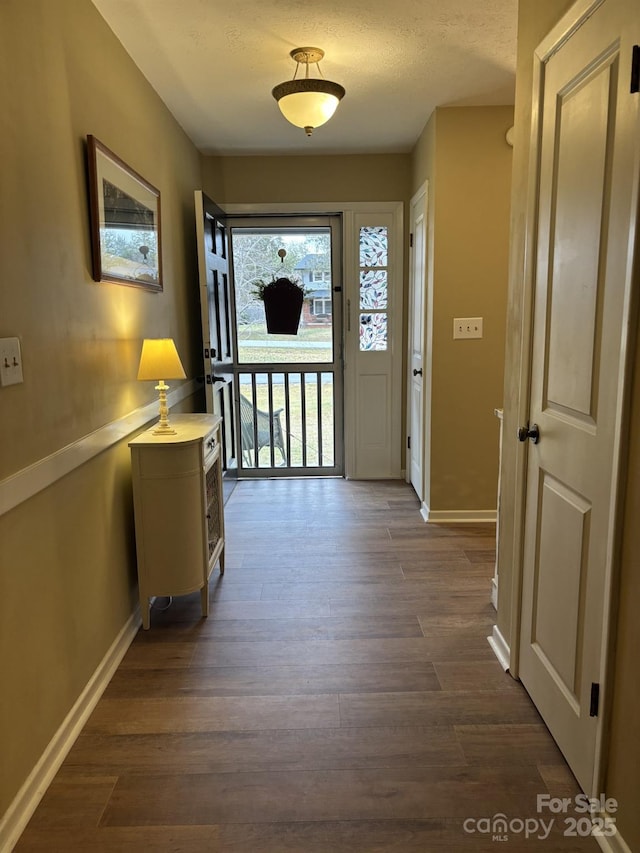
(463, 154)
(354, 177)
(622, 779)
(67, 567)
(623, 776)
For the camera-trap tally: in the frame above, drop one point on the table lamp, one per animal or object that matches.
(159, 357)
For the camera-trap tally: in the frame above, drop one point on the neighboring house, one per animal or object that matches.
(314, 271)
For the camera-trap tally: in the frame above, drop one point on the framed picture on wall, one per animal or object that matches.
(125, 221)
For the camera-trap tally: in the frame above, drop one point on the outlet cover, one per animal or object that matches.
(10, 362)
(467, 327)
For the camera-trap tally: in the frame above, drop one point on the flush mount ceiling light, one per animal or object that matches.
(308, 102)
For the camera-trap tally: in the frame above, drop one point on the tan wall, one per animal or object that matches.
(464, 155)
(365, 177)
(536, 18)
(66, 556)
(623, 776)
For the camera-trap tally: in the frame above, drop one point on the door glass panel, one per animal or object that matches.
(373, 246)
(307, 260)
(373, 332)
(373, 289)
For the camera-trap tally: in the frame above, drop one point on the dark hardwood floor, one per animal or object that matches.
(341, 696)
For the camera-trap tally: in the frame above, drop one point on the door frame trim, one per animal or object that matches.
(421, 199)
(348, 210)
(559, 35)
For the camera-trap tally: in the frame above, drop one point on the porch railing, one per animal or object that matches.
(287, 418)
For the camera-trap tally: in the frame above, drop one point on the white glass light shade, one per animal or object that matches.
(308, 103)
(160, 360)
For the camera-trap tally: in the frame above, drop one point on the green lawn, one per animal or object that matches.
(272, 353)
(294, 427)
(258, 332)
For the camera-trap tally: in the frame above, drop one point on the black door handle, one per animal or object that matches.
(529, 432)
(417, 372)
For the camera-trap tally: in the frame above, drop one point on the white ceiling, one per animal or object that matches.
(214, 64)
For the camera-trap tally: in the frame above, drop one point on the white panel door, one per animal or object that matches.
(375, 346)
(585, 220)
(417, 367)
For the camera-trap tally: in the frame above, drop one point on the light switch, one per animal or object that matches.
(10, 362)
(467, 327)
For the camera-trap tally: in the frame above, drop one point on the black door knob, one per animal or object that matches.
(417, 372)
(529, 432)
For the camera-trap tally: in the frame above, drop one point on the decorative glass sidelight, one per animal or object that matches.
(373, 332)
(374, 244)
(374, 254)
(373, 289)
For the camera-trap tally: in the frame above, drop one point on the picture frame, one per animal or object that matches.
(125, 221)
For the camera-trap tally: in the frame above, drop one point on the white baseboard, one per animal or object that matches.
(29, 481)
(500, 648)
(613, 844)
(26, 800)
(457, 516)
(494, 592)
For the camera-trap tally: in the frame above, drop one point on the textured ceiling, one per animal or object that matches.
(214, 65)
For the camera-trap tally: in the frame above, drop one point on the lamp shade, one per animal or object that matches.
(308, 103)
(160, 360)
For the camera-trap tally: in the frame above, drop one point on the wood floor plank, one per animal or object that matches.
(479, 675)
(274, 571)
(372, 589)
(273, 680)
(350, 836)
(398, 602)
(327, 652)
(436, 708)
(292, 749)
(272, 797)
(481, 556)
(219, 713)
(125, 839)
(75, 802)
(528, 743)
(188, 609)
(452, 623)
(303, 628)
(558, 779)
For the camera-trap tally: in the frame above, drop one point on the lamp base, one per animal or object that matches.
(163, 429)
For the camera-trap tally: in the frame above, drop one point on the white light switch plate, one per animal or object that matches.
(10, 362)
(467, 327)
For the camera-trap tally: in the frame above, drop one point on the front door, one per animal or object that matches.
(586, 200)
(217, 325)
(289, 386)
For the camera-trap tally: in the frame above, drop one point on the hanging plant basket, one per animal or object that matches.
(283, 300)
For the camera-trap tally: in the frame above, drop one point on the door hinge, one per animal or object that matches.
(206, 352)
(408, 442)
(411, 241)
(595, 700)
(635, 69)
